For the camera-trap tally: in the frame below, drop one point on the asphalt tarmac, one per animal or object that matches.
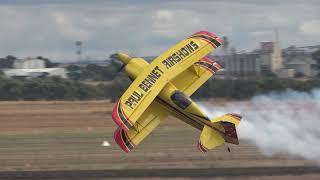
(161, 173)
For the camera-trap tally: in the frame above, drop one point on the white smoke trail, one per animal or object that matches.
(287, 122)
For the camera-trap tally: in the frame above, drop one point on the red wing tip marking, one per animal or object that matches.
(217, 65)
(118, 137)
(220, 40)
(116, 117)
(206, 33)
(210, 34)
(211, 61)
(209, 64)
(208, 60)
(201, 147)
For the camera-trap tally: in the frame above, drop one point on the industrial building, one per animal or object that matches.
(270, 59)
(31, 68)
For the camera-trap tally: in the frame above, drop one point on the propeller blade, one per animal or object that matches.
(121, 68)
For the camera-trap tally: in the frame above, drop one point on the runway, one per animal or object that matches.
(62, 140)
(161, 173)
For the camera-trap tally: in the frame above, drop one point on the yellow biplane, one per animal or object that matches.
(164, 87)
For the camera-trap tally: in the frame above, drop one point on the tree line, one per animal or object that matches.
(54, 88)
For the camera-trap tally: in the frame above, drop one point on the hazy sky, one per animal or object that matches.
(50, 27)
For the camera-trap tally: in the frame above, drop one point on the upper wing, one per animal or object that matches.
(147, 122)
(195, 76)
(163, 69)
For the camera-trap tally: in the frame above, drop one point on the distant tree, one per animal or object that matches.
(48, 63)
(298, 74)
(10, 57)
(73, 68)
(119, 85)
(316, 56)
(7, 62)
(74, 72)
(92, 72)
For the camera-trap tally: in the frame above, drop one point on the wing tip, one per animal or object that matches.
(206, 33)
(210, 34)
(115, 115)
(121, 142)
(212, 61)
(209, 64)
(116, 118)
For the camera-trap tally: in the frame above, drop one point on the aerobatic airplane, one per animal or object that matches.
(164, 87)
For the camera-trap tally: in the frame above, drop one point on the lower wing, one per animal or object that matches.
(146, 123)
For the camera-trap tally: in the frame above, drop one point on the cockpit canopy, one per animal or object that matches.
(180, 99)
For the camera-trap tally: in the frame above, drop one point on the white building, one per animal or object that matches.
(302, 64)
(276, 58)
(29, 64)
(271, 60)
(31, 73)
(30, 68)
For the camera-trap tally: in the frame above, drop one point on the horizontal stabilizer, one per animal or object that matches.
(230, 117)
(209, 139)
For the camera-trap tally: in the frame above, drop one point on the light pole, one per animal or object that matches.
(79, 49)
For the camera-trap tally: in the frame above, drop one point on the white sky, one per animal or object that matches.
(49, 28)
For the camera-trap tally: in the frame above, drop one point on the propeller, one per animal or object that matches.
(121, 68)
(122, 58)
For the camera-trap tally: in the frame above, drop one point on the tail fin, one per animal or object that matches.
(230, 133)
(223, 130)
